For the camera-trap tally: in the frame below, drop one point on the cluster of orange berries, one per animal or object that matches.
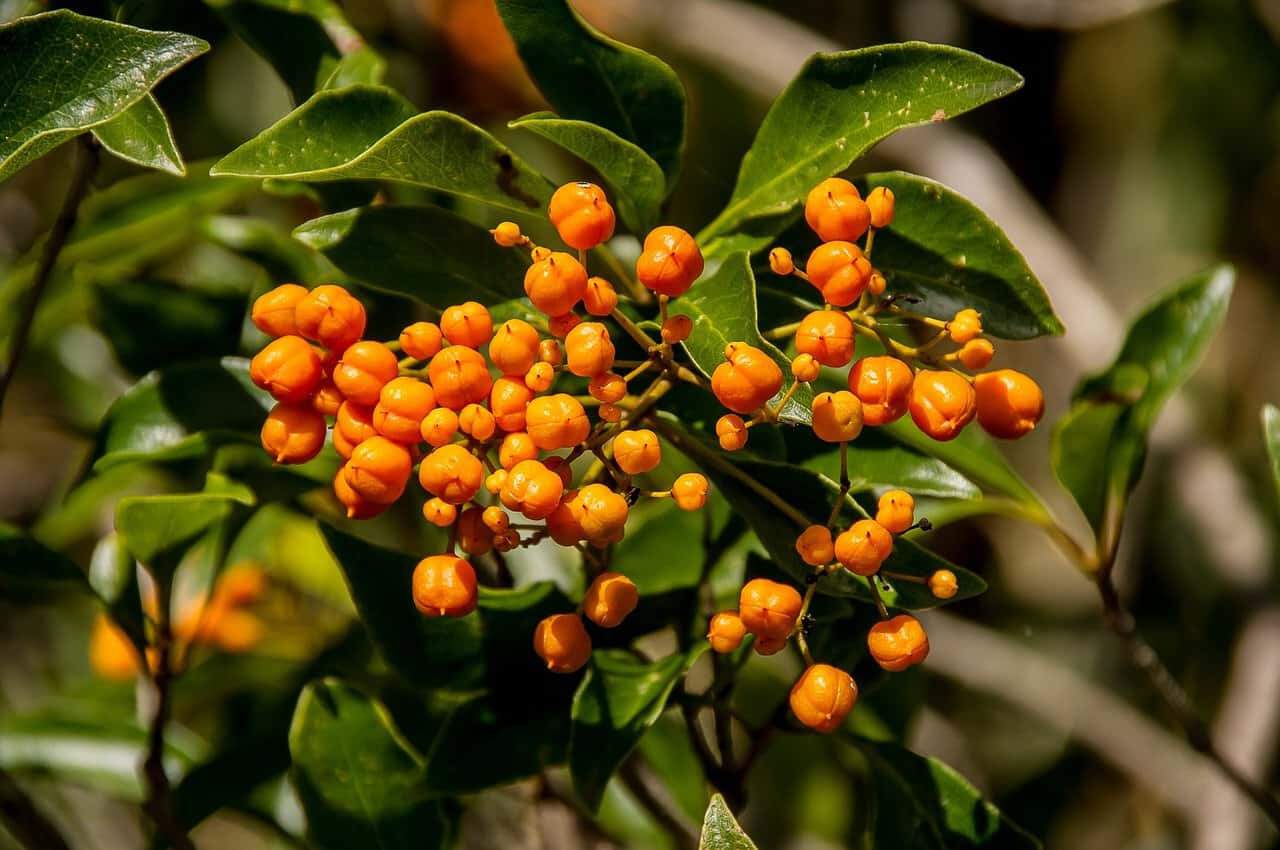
(482, 431)
(941, 398)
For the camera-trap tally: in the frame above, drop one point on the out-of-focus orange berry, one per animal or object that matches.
(378, 470)
(560, 466)
(600, 298)
(452, 473)
(514, 347)
(288, 368)
(835, 210)
(827, 335)
(293, 433)
(670, 261)
(637, 451)
(467, 324)
(609, 599)
(459, 377)
(1009, 403)
(590, 350)
(883, 385)
(444, 586)
(331, 316)
(273, 312)
(898, 643)
(815, 546)
(840, 271)
(747, 379)
(532, 489)
(111, 654)
(943, 584)
(581, 214)
(556, 422)
(556, 284)
(896, 511)
(439, 426)
(770, 645)
(689, 491)
(837, 417)
(880, 203)
(768, 608)
(562, 642)
(365, 368)
(877, 284)
(942, 404)
(402, 405)
(421, 340)
(863, 547)
(731, 431)
(725, 632)
(822, 697)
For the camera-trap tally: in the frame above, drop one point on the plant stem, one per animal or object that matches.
(86, 167)
(633, 777)
(159, 802)
(24, 821)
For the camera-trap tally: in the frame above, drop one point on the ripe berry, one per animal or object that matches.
(505, 541)
(562, 642)
(495, 482)
(551, 352)
(111, 654)
(822, 697)
(600, 298)
(331, 316)
(444, 586)
(780, 261)
(804, 368)
(839, 271)
(358, 507)
(815, 546)
(770, 645)
(670, 261)
(610, 598)
(459, 376)
(355, 422)
(378, 470)
(877, 285)
(561, 467)
(964, 326)
(560, 326)
(689, 491)
(467, 324)
(532, 489)
(609, 413)
(421, 340)
(637, 451)
(477, 422)
(863, 547)
(439, 426)
(725, 632)
(273, 312)
(976, 353)
(495, 519)
(365, 368)
(732, 432)
(943, 584)
(556, 283)
(539, 377)
(942, 404)
(827, 335)
(896, 511)
(508, 400)
(880, 204)
(342, 445)
(581, 213)
(452, 473)
(883, 385)
(602, 514)
(516, 446)
(556, 422)
(747, 379)
(507, 234)
(835, 210)
(607, 387)
(327, 399)
(402, 405)
(563, 523)
(1009, 403)
(768, 608)
(293, 433)
(439, 512)
(474, 537)
(288, 368)
(898, 643)
(514, 347)
(590, 349)
(837, 417)
(676, 328)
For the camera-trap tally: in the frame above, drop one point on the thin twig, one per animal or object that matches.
(159, 802)
(24, 821)
(633, 777)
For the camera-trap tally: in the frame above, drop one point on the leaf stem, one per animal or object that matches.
(159, 801)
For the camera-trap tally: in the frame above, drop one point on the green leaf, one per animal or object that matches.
(631, 174)
(1271, 436)
(663, 549)
(587, 76)
(270, 245)
(1100, 446)
(141, 135)
(945, 250)
(182, 412)
(27, 566)
(64, 73)
(720, 829)
(158, 529)
(371, 133)
(359, 783)
(877, 463)
(723, 309)
(181, 324)
(836, 109)
(447, 261)
(972, 454)
(619, 699)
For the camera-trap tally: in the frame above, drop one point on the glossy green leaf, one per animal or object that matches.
(619, 699)
(359, 783)
(876, 462)
(157, 529)
(1271, 437)
(28, 566)
(670, 755)
(181, 323)
(64, 73)
(972, 454)
(587, 76)
(946, 251)
(449, 259)
(371, 133)
(723, 308)
(662, 551)
(1099, 447)
(720, 829)
(836, 109)
(141, 135)
(635, 180)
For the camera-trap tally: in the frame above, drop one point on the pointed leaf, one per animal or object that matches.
(973, 454)
(156, 529)
(1271, 436)
(720, 829)
(141, 135)
(26, 565)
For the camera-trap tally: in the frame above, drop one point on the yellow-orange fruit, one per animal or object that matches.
(863, 547)
(495, 519)
(834, 210)
(670, 261)
(837, 417)
(581, 214)
(357, 506)
(768, 608)
(943, 584)
(637, 451)
(439, 426)
(507, 234)
(507, 401)
(438, 512)
(514, 347)
(378, 470)
(327, 399)
(781, 261)
(355, 422)
(564, 523)
(444, 586)
(964, 326)
(976, 353)
(421, 340)
(459, 377)
(111, 654)
(555, 284)
(689, 491)
(452, 473)
(402, 405)
(840, 271)
(747, 379)
(562, 642)
(1009, 403)
(942, 404)
(880, 203)
(827, 335)
(474, 537)
(725, 632)
(288, 368)
(467, 324)
(607, 387)
(532, 489)
(365, 368)
(539, 377)
(822, 697)
(609, 599)
(883, 385)
(556, 422)
(273, 312)
(896, 511)
(601, 298)
(516, 446)
(815, 546)
(331, 316)
(898, 643)
(293, 433)
(477, 422)
(805, 368)
(602, 515)
(550, 351)
(590, 350)
(731, 431)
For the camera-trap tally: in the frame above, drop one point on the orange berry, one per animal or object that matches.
(827, 335)
(725, 632)
(880, 205)
(242, 584)
(538, 253)
(444, 586)
(556, 283)
(378, 470)
(883, 385)
(451, 473)
(898, 643)
(293, 433)
(514, 347)
(609, 413)
(505, 541)
(560, 326)
(780, 261)
(365, 368)
(732, 432)
(562, 642)
(540, 377)
(689, 491)
(603, 514)
(609, 599)
(402, 405)
(508, 400)
(550, 351)
(768, 608)
(837, 417)
(839, 271)
(600, 298)
(459, 376)
(590, 349)
(111, 654)
(516, 446)
(421, 340)
(942, 403)
(822, 697)
(507, 234)
(834, 210)
(532, 489)
(964, 326)
(637, 451)
(467, 324)
(439, 512)
(288, 368)
(564, 523)
(877, 285)
(477, 421)
(354, 422)
(669, 262)
(556, 422)
(896, 511)
(1009, 403)
(770, 645)
(804, 368)
(676, 328)
(358, 507)
(495, 482)
(236, 631)
(943, 584)
(863, 547)
(327, 399)
(331, 316)
(439, 426)
(560, 466)
(495, 519)
(607, 387)
(815, 546)
(976, 353)
(273, 312)
(581, 214)
(747, 379)
(474, 537)
(342, 445)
